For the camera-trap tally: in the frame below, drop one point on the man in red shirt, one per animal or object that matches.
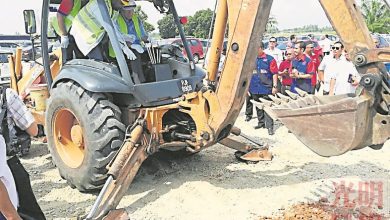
(284, 70)
(315, 60)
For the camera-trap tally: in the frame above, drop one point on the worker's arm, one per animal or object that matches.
(61, 24)
(321, 69)
(63, 10)
(304, 76)
(275, 84)
(299, 75)
(144, 35)
(332, 86)
(121, 39)
(274, 70)
(6, 207)
(321, 75)
(19, 113)
(32, 130)
(310, 70)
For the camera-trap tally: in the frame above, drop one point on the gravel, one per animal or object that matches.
(214, 185)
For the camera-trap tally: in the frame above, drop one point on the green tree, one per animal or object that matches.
(199, 24)
(167, 27)
(377, 15)
(144, 17)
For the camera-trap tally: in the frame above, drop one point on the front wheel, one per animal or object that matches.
(84, 132)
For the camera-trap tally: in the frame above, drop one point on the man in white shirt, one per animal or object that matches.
(18, 115)
(328, 64)
(325, 44)
(272, 50)
(345, 78)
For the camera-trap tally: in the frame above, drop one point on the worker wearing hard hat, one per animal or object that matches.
(131, 26)
(62, 24)
(88, 29)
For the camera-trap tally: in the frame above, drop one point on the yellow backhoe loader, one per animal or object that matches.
(101, 123)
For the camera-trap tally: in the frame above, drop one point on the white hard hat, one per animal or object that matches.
(128, 4)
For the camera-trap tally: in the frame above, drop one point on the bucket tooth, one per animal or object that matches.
(283, 97)
(292, 95)
(258, 104)
(301, 92)
(256, 155)
(266, 102)
(275, 99)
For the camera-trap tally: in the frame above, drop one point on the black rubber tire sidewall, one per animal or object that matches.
(103, 135)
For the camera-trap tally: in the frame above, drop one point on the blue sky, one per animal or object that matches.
(288, 16)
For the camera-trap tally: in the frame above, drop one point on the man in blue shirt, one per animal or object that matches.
(130, 25)
(302, 69)
(263, 83)
(133, 24)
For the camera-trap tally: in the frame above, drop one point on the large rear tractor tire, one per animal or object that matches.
(84, 132)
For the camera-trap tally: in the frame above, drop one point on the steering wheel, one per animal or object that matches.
(161, 5)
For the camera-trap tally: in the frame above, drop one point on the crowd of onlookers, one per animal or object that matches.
(299, 67)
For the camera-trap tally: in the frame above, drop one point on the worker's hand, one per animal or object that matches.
(146, 39)
(294, 73)
(274, 90)
(129, 38)
(129, 54)
(137, 47)
(64, 41)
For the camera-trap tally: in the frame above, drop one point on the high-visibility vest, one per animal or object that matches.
(87, 25)
(123, 29)
(68, 19)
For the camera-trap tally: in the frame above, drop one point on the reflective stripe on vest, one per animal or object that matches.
(86, 22)
(68, 19)
(123, 29)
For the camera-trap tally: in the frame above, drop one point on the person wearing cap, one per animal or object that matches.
(274, 51)
(130, 23)
(62, 24)
(88, 30)
(263, 83)
(131, 26)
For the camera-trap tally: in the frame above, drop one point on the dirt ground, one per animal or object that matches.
(214, 185)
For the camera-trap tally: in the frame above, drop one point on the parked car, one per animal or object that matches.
(195, 45)
(10, 47)
(281, 39)
(4, 56)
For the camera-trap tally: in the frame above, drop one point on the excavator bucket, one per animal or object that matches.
(328, 125)
(333, 125)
